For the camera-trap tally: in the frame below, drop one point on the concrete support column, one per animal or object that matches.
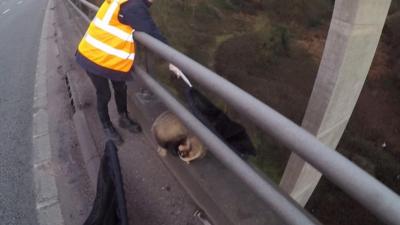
(354, 33)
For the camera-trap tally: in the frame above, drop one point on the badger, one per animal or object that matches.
(173, 137)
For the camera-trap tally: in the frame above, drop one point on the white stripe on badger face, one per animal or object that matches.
(108, 49)
(113, 30)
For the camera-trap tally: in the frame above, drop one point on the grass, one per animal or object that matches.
(270, 156)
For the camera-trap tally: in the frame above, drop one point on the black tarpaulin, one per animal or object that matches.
(231, 132)
(109, 207)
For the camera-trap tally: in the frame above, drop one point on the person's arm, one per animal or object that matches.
(136, 14)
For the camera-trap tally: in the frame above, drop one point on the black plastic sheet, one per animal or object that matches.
(231, 132)
(109, 207)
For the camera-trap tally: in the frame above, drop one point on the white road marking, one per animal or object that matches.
(19, 3)
(6, 11)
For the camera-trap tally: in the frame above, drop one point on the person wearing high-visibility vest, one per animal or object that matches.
(107, 53)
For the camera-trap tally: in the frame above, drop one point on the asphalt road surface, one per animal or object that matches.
(20, 29)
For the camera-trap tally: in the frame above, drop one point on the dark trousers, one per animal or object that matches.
(103, 94)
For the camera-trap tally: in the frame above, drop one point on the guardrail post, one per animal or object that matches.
(145, 94)
(354, 33)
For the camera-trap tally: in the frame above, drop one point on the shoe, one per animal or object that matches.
(129, 124)
(113, 135)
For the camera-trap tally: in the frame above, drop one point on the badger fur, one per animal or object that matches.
(172, 136)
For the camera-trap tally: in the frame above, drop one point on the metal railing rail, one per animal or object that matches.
(89, 5)
(364, 188)
(83, 15)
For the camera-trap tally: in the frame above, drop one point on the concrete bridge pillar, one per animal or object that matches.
(354, 33)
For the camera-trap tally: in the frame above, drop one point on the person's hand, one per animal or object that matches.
(176, 70)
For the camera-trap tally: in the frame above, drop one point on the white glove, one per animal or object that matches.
(179, 74)
(176, 70)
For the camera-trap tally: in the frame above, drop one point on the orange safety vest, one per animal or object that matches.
(107, 41)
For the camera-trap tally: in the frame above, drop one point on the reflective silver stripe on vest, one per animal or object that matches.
(110, 12)
(113, 30)
(108, 49)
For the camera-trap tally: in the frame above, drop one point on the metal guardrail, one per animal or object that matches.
(364, 188)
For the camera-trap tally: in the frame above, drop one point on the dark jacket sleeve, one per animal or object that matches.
(136, 14)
